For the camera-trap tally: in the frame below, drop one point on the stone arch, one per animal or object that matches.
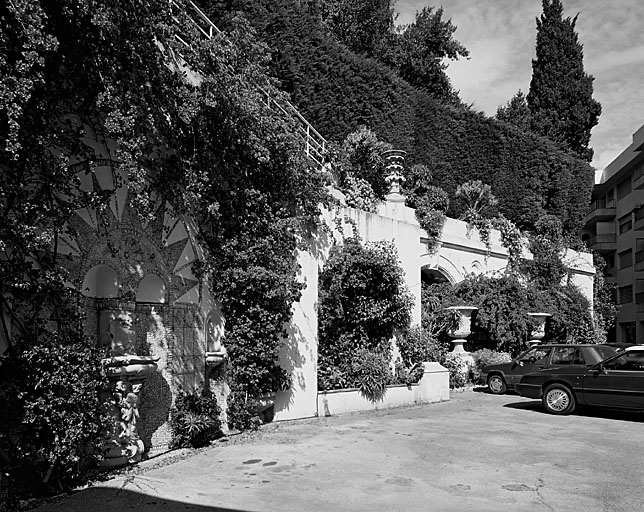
(429, 275)
(100, 281)
(449, 270)
(151, 288)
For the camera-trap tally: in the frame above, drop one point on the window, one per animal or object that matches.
(625, 294)
(628, 331)
(567, 355)
(626, 259)
(639, 213)
(639, 291)
(638, 172)
(625, 224)
(610, 198)
(629, 361)
(639, 252)
(623, 188)
(535, 354)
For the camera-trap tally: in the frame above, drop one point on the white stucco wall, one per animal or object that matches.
(461, 252)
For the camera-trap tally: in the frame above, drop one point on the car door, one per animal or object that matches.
(618, 382)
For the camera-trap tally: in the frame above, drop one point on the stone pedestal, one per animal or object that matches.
(461, 331)
(127, 374)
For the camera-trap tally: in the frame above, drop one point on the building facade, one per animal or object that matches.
(614, 227)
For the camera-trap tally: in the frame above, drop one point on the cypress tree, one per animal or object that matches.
(560, 97)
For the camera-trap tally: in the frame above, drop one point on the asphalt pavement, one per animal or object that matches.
(476, 452)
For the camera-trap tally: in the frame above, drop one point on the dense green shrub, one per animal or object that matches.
(194, 419)
(242, 412)
(459, 371)
(53, 416)
(604, 307)
(501, 322)
(483, 357)
(362, 303)
(371, 372)
(417, 345)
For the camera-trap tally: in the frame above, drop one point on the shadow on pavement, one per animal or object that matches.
(529, 405)
(585, 411)
(610, 414)
(97, 499)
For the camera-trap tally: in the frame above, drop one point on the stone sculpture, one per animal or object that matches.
(127, 371)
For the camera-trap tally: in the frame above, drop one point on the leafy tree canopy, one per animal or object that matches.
(419, 53)
(364, 26)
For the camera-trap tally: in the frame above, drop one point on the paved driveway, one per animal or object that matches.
(477, 452)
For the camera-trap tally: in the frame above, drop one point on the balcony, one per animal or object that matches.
(600, 210)
(603, 243)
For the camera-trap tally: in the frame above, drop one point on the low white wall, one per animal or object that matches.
(432, 387)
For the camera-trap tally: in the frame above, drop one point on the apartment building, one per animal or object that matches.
(614, 227)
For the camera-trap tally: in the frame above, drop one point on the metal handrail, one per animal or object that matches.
(315, 143)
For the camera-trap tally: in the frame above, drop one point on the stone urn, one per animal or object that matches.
(539, 331)
(461, 331)
(394, 160)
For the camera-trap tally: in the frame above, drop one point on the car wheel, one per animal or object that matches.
(558, 399)
(496, 385)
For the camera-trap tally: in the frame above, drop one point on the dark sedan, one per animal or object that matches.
(616, 382)
(502, 376)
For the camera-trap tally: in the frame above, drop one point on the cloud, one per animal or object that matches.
(487, 79)
(615, 58)
(607, 153)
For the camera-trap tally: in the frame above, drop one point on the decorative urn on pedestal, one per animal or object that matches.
(461, 331)
(126, 372)
(395, 159)
(539, 330)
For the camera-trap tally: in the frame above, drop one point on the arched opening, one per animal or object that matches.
(432, 276)
(151, 289)
(100, 281)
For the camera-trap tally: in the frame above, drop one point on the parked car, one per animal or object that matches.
(503, 376)
(616, 382)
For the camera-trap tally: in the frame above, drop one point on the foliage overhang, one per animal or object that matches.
(70, 70)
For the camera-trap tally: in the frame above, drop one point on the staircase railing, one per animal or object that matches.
(315, 144)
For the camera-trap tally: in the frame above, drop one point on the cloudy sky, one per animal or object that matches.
(500, 36)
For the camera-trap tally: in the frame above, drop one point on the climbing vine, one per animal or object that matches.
(202, 137)
(479, 205)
